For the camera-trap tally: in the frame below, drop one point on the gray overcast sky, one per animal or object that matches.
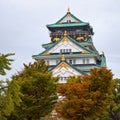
(23, 27)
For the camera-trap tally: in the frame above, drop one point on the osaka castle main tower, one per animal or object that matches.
(70, 51)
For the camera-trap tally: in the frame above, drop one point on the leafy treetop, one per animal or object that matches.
(86, 97)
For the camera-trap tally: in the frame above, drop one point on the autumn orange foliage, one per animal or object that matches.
(86, 97)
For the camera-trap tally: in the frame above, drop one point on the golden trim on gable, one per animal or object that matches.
(68, 16)
(85, 52)
(63, 65)
(68, 10)
(63, 58)
(65, 33)
(65, 39)
(103, 52)
(46, 53)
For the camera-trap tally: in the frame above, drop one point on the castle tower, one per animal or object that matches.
(70, 51)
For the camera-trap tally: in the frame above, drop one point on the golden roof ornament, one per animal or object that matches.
(46, 53)
(84, 52)
(65, 33)
(56, 38)
(68, 10)
(103, 52)
(63, 58)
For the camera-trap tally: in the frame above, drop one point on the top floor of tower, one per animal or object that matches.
(69, 25)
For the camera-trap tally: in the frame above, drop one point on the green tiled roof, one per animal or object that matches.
(49, 46)
(67, 25)
(103, 60)
(71, 24)
(82, 45)
(86, 43)
(80, 71)
(86, 68)
(72, 16)
(89, 67)
(46, 46)
(54, 56)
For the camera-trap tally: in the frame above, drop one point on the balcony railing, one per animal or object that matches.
(78, 35)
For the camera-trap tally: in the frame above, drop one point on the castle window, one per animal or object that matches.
(60, 50)
(69, 21)
(69, 50)
(74, 61)
(70, 61)
(87, 60)
(83, 60)
(65, 50)
(63, 79)
(47, 62)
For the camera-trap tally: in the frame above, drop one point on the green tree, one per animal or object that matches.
(86, 97)
(9, 90)
(9, 97)
(115, 106)
(39, 91)
(5, 63)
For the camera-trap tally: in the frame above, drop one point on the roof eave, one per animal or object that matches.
(66, 25)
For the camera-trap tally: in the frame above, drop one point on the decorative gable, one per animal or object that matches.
(68, 19)
(64, 70)
(66, 46)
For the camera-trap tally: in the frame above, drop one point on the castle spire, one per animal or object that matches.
(103, 52)
(65, 33)
(68, 10)
(63, 58)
